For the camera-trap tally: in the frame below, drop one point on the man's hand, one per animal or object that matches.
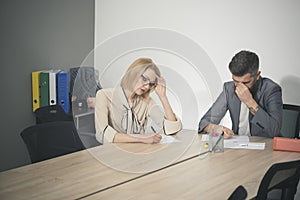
(243, 93)
(228, 133)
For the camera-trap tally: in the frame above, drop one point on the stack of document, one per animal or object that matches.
(242, 142)
(50, 88)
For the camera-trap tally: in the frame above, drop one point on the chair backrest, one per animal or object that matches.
(51, 114)
(83, 84)
(239, 193)
(290, 121)
(48, 140)
(280, 176)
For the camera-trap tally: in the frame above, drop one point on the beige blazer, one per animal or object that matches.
(114, 114)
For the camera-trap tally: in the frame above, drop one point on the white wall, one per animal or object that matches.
(222, 28)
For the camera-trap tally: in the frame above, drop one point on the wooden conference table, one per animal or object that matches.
(135, 171)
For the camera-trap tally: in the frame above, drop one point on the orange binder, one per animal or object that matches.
(286, 144)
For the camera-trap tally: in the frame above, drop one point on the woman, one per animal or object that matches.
(123, 114)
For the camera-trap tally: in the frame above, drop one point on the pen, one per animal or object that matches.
(153, 129)
(219, 139)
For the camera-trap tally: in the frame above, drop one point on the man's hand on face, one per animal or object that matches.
(243, 93)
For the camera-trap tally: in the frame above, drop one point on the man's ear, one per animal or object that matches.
(258, 75)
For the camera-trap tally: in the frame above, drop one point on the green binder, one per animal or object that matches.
(44, 89)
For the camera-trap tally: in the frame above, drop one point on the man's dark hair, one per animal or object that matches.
(244, 62)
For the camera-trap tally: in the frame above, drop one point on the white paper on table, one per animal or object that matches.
(252, 145)
(238, 138)
(165, 139)
(242, 142)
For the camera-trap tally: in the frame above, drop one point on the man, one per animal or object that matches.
(254, 102)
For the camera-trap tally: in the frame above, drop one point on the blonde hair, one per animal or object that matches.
(134, 72)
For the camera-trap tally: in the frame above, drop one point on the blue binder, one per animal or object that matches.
(63, 100)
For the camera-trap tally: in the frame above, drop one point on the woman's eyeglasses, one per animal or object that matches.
(146, 81)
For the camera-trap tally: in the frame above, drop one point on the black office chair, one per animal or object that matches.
(281, 179)
(239, 193)
(280, 176)
(52, 139)
(290, 121)
(51, 114)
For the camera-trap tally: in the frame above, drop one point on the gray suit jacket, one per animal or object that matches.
(267, 120)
